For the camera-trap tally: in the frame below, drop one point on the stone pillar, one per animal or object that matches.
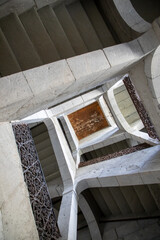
(63, 154)
(90, 218)
(17, 217)
(67, 219)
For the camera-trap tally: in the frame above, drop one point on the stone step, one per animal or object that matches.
(121, 145)
(40, 129)
(114, 148)
(119, 89)
(70, 30)
(132, 118)
(151, 232)
(125, 104)
(120, 200)
(88, 156)
(94, 154)
(111, 203)
(53, 176)
(43, 144)
(19, 42)
(132, 200)
(50, 169)
(41, 137)
(48, 160)
(106, 150)
(121, 96)
(128, 111)
(99, 152)
(8, 63)
(146, 199)
(39, 36)
(98, 23)
(44, 153)
(56, 32)
(84, 26)
(155, 191)
(100, 201)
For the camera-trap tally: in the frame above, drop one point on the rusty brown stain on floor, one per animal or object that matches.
(88, 120)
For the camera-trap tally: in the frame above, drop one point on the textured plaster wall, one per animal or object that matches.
(17, 217)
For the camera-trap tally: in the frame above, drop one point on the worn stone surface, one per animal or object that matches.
(34, 178)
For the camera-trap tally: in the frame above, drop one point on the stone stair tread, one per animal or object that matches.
(155, 191)
(120, 200)
(70, 29)
(146, 198)
(19, 42)
(41, 137)
(39, 36)
(49, 169)
(40, 129)
(132, 118)
(98, 23)
(56, 32)
(8, 63)
(111, 203)
(100, 201)
(42, 145)
(44, 153)
(49, 160)
(132, 199)
(84, 26)
(52, 176)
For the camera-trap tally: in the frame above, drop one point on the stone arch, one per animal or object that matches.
(131, 17)
(152, 72)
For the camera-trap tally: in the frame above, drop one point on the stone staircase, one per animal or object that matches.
(104, 151)
(124, 203)
(45, 152)
(126, 105)
(38, 37)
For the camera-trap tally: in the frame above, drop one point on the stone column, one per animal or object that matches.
(63, 154)
(67, 219)
(90, 218)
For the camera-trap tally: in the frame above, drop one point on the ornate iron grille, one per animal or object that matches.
(140, 108)
(35, 181)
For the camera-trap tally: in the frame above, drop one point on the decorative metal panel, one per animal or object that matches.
(88, 120)
(35, 181)
(140, 108)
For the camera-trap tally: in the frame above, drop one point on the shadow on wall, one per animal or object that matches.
(151, 10)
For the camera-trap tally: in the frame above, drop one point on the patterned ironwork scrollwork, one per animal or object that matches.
(140, 108)
(35, 181)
